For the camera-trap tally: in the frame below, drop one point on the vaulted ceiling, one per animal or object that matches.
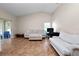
(20, 9)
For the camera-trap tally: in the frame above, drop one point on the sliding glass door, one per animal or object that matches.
(5, 29)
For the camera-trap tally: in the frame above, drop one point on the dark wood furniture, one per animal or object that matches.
(19, 35)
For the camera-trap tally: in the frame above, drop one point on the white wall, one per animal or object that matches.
(67, 18)
(6, 16)
(32, 22)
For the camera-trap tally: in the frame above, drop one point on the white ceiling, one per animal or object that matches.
(20, 9)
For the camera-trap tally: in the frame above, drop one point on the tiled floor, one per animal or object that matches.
(24, 47)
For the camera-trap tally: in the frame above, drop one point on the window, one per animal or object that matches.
(54, 26)
(7, 26)
(46, 25)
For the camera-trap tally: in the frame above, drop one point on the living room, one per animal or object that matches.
(27, 24)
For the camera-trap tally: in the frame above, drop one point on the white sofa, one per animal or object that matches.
(34, 34)
(66, 44)
(35, 37)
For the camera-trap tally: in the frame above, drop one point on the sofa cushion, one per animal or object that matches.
(71, 38)
(61, 46)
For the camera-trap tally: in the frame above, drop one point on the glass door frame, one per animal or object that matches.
(3, 26)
